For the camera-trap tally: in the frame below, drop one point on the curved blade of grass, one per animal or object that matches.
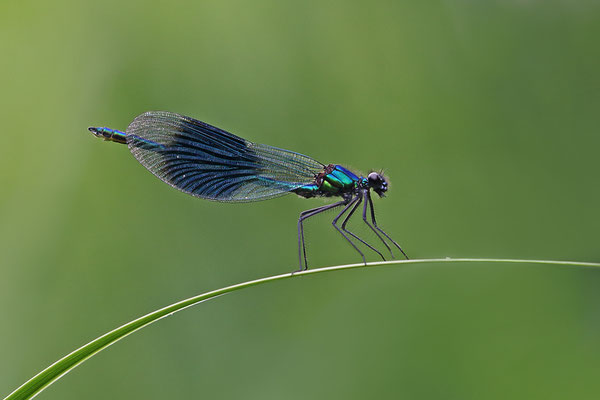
(42, 380)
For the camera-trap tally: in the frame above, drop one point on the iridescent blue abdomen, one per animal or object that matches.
(335, 180)
(111, 135)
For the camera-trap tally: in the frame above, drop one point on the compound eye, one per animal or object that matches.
(374, 177)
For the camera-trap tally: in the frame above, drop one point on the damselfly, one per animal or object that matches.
(207, 162)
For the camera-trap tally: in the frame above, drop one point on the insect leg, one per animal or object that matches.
(304, 215)
(360, 199)
(378, 228)
(364, 216)
(334, 223)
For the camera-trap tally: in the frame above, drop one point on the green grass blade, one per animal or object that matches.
(42, 380)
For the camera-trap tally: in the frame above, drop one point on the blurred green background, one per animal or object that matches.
(484, 115)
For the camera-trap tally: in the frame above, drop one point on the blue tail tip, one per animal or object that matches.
(95, 131)
(99, 132)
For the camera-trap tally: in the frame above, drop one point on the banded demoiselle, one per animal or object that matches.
(207, 162)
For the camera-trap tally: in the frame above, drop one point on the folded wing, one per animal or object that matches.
(207, 162)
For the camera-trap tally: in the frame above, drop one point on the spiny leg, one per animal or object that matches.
(301, 246)
(381, 230)
(353, 235)
(334, 223)
(366, 196)
(304, 215)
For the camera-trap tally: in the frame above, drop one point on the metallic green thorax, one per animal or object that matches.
(335, 180)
